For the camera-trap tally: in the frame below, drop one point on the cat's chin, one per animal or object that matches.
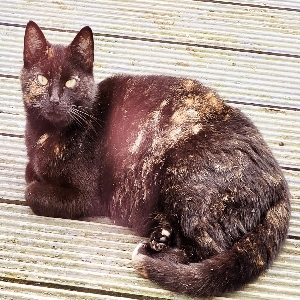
(57, 120)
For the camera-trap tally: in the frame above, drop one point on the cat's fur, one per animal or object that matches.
(162, 155)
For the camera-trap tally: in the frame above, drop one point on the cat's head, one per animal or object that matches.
(57, 81)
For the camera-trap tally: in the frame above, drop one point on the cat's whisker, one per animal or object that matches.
(88, 114)
(82, 111)
(81, 118)
(77, 119)
(80, 114)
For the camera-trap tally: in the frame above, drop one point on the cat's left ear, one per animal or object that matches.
(35, 44)
(82, 48)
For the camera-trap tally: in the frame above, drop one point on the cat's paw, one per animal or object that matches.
(143, 252)
(159, 239)
(139, 251)
(139, 256)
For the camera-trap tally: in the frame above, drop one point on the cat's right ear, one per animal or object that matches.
(82, 48)
(35, 44)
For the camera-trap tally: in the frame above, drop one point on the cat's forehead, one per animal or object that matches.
(56, 53)
(56, 59)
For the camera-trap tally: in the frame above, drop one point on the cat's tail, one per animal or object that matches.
(227, 271)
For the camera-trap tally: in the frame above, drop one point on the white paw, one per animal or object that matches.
(136, 252)
(159, 239)
(166, 233)
(158, 246)
(138, 260)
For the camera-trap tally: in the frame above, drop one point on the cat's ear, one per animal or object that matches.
(82, 48)
(35, 44)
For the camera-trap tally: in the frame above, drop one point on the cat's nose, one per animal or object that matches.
(54, 98)
(54, 93)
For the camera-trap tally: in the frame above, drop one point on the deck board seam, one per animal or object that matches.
(251, 5)
(166, 41)
(76, 288)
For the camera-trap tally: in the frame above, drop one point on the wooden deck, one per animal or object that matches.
(248, 50)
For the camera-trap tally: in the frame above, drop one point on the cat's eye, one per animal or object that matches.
(70, 83)
(42, 79)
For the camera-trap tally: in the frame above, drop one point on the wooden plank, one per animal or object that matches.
(15, 291)
(209, 23)
(240, 77)
(199, 39)
(97, 257)
(92, 256)
(273, 4)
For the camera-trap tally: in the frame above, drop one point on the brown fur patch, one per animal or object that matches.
(58, 150)
(212, 104)
(142, 272)
(50, 52)
(41, 141)
(259, 261)
(188, 84)
(33, 89)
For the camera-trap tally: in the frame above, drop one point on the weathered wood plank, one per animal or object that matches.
(96, 256)
(214, 24)
(199, 39)
(241, 77)
(15, 291)
(273, 4)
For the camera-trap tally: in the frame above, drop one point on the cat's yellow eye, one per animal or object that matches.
(42, 79)
(70, 83)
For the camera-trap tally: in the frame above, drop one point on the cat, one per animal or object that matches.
(162, 155)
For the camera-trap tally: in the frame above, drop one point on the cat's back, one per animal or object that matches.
(154, 113)
(155, 124)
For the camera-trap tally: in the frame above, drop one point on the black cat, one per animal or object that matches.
(162, 155)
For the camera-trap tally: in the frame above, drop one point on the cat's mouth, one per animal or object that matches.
(56, 116)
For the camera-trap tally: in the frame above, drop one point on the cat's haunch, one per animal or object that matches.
(164, 156)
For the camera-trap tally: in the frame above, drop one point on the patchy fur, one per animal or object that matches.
(165, 156)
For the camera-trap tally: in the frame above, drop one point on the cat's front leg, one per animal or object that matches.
(54, 200)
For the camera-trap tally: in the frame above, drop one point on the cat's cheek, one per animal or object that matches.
(34, 92)
(28, 100)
